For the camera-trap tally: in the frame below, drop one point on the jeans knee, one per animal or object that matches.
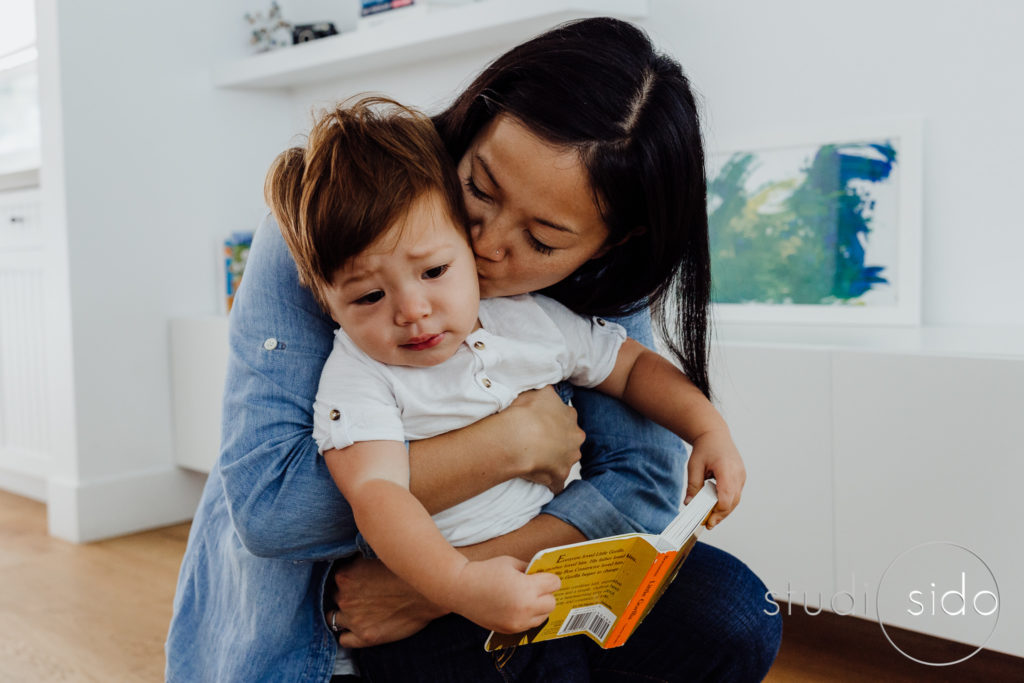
(754, 645)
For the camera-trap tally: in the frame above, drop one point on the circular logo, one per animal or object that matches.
(942, 589)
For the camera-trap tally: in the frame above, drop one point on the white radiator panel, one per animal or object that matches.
(25, 414)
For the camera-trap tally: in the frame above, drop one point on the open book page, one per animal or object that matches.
(690, 519)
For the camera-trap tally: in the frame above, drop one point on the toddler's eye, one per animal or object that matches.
(435, 272)
(371, 298)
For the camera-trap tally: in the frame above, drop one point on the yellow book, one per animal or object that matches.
(610, 584)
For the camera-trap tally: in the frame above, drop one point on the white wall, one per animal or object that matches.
(155, 169)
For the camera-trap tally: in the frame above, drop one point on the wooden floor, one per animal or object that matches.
(827, 647)
(99, 612)
(96, 612)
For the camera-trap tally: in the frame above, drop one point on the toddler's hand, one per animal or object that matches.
(496, 594)
(715, 455)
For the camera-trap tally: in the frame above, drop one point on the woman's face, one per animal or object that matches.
(533, 218)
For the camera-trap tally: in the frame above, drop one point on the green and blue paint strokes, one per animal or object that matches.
(797, 236)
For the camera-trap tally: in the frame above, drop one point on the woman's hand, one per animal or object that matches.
(542, 437)
(535, 438)
(373, 606)
(715, 455)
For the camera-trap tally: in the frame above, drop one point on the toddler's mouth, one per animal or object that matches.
(427, 341)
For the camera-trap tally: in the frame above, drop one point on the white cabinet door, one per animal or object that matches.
(777, 404)
(929, 448)
(199, 362)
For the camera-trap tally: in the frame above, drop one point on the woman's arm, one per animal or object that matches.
(283, 502)
(536, 438)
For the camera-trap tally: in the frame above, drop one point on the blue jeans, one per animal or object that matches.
(709, 625)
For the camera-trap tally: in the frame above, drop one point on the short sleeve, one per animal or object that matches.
(355, 401)
(593, 343)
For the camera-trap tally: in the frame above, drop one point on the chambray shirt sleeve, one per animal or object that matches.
(280, 495)
(632, 469)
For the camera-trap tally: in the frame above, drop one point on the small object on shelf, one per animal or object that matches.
(269, 32)
(236, 252)
(304, 33)
(342, 14)
(377, 6)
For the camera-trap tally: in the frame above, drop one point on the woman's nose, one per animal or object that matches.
(487, 242)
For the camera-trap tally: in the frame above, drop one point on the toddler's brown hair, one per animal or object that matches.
(363, 166)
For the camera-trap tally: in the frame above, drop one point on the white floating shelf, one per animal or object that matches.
(413, 38)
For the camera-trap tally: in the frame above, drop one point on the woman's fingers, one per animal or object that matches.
(548, 437)
(350, 639)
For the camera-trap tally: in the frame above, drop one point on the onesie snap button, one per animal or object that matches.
(486, 382)
(479, 346)
(270, 344)
(335, 414)
(600, 321)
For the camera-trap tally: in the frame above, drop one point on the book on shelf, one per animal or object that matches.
(236, 253)
(370, 7)
(610, 584)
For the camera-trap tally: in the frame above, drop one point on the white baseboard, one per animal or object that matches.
(29, 485)
(93, 510)
(24, 472)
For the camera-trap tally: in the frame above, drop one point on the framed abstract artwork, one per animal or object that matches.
(818, 227)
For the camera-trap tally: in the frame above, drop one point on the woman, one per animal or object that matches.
(581, 155)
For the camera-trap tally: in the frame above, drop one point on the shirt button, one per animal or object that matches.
(486, 382)
(270, 344)
(479, 346)
(335, 414)
(600, 321)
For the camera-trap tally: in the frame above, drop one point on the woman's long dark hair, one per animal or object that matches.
(598, 86)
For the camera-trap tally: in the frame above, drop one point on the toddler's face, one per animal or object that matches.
(411, 297)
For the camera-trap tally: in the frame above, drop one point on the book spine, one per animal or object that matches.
(636, 608)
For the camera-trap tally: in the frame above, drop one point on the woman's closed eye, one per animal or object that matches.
(435, 272)
(475, 190)
(537, 245)
(371, 298)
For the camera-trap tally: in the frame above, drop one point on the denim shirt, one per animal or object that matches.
(250, 592)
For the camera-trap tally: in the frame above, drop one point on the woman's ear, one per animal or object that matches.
(635, 232)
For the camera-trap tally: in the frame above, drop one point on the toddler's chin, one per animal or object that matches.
(425, 359)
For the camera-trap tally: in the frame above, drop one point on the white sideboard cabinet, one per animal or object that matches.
(860, 445)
